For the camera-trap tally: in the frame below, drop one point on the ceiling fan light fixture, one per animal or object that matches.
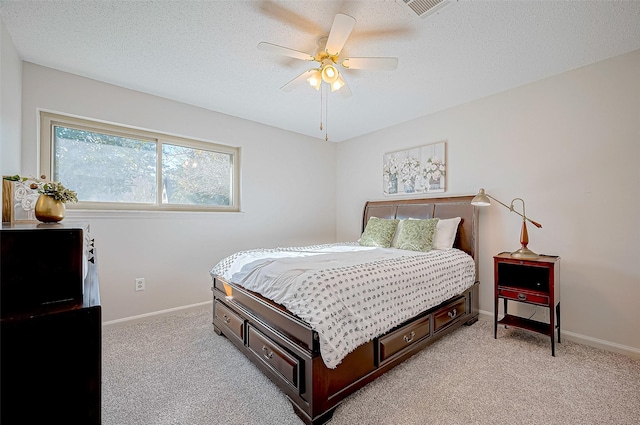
(337, 84)
(329, 73)
(315, 80)
(327, 57)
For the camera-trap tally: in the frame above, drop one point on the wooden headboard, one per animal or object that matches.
(459, 206)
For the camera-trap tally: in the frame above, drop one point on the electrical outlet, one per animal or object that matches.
(139, 283)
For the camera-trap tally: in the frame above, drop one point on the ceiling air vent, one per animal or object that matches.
(423, 8)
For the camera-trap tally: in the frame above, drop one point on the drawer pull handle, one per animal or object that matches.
(453, 313)
(226, 319)
(522, 297)
(266, 353)
(409, 338)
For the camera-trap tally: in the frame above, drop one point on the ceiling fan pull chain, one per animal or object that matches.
(320, 108)
(326, 113)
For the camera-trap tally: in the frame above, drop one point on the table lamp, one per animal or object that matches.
(482, 200)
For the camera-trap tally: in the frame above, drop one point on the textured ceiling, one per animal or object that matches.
(204, 52)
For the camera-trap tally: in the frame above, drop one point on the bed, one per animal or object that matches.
(313, 364)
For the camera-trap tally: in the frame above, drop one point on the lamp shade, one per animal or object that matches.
(315, 80)
(481, 199)
(337, 84)
(329, 73)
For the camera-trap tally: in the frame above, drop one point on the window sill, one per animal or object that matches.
(85, 214)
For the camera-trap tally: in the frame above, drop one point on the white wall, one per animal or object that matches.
(570, 146)
(288, 194)
(10, 104)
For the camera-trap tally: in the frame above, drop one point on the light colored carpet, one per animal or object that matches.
(176, 370)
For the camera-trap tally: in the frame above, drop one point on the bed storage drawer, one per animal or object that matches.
(276, 358)
(402, 338)
(449, 314)
(231, 323)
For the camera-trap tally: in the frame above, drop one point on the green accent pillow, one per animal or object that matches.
(379, 232)
(417, 235)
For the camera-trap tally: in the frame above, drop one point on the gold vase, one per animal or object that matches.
(48, 209)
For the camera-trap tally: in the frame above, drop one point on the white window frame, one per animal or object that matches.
(48, 120)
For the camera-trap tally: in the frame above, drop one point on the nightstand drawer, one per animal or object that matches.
(523, 296)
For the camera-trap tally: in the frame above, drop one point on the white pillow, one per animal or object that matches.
(446, 231)
(394, 242)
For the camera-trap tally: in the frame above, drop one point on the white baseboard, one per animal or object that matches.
(484, 316)
(154, 315)
(600, 343)
(583, 339)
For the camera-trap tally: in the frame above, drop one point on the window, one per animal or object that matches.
(117, 167)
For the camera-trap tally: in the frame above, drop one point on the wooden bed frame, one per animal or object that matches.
(287, 350)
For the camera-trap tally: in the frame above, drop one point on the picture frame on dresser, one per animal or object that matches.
(18, 201)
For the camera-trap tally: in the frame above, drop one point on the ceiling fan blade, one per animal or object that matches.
(302, 77)
(289, 17)
(370, 63)
(340, 30)
(274, 48)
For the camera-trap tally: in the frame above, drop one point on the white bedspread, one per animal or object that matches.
(347, 293)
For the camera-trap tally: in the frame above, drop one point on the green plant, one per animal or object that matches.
(54, 189)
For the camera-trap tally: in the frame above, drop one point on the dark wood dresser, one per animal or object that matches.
(50, 325)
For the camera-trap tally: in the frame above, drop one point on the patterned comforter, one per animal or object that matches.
(347, 293)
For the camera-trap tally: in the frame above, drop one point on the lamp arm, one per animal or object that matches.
(510, 208)
(504, 205)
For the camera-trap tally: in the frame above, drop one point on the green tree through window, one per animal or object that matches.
(195, 176)
(105, 168)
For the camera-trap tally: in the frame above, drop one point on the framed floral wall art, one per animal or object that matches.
(417, 170)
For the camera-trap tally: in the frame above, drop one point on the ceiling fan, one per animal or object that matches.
(328, 57)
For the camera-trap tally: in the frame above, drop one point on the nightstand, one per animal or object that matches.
(533, 281)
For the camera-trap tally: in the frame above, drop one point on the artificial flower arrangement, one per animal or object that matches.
(391, 167)
(434, 170)
(409, 169)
